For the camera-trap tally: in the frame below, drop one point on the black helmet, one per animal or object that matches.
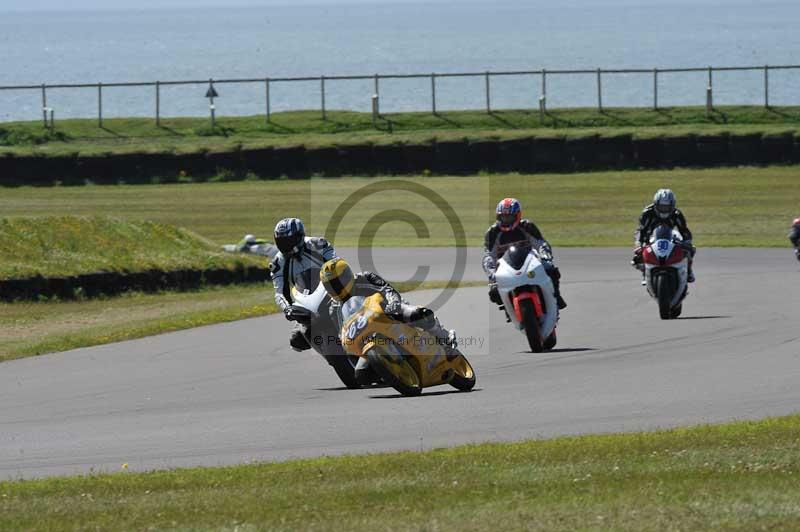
(289, 235)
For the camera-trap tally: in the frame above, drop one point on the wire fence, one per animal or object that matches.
(537, 99)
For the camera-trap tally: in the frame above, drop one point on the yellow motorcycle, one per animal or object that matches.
(406, 358)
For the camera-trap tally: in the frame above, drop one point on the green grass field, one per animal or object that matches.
(36, 328)
(126, 135)
(724, 207)
(58, 246)
(739, 476)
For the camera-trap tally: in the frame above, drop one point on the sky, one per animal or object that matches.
(70, 5)
(34, 5)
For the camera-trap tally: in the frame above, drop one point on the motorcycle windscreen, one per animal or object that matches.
(662, 232)
(517, 254)
(352, 307)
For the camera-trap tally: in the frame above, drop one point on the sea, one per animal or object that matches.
(384, 37)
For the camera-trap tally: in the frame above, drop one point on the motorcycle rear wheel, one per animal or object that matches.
(531, 323)
(664, 293)
(395, 371)
(676, 311)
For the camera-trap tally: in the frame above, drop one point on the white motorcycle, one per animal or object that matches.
(528, 295)
(666, 270)
(313, 308)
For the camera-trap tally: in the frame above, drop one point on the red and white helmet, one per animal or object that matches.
(509, 214)
(796, 222)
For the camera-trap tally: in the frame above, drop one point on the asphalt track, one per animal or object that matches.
(234, 393)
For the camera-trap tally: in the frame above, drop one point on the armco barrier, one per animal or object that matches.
(484, 155)
(523, 155)
(712, 150)
(451, 157)
(615, 152)
(777, 149)
(680, 151)
(649, 153)
(516, 155)
(551, 155)
(112, 283)
(415, 159)
(357, 159)
(746, 149)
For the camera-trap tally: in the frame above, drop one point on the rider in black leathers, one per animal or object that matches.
(794, 237)
(507, 230)
(662, 211)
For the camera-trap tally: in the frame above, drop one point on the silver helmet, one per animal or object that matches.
(664, 203)
(289, 235)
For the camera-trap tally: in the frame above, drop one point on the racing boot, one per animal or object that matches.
(446, 337)
(690, 273)
(364, 374)
(559, 300)
(297, 340)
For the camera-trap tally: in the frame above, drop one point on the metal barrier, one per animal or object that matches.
(656, 73)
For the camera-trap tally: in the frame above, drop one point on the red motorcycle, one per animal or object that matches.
(666, 270)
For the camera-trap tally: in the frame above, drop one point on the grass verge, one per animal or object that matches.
(29, 329)
(738, 476)
(182, 135)
(59, 246)
(724, 206)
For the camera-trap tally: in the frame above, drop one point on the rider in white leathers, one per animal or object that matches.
(298, 262)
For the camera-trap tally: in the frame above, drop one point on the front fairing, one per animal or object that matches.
(529, 275)
(366, 326)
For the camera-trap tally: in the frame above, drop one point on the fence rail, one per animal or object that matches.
(48, 112)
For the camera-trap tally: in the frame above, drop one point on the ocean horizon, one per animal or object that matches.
(146, 45)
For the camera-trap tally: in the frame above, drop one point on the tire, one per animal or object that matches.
(550, 341)
(676, 312)
(378, 360)
(464, 383)
(345, 369)
(664, 293)
(531, 323)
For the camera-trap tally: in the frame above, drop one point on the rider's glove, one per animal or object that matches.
(289, 313)
(637, 257)
(422, 317)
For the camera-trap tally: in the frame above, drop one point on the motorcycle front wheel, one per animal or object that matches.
(664, 291)
(531, 323)
(345, 367)
(466, 381)
(395, 370)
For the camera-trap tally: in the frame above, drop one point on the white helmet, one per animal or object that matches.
(249, 239)
(664, 203)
